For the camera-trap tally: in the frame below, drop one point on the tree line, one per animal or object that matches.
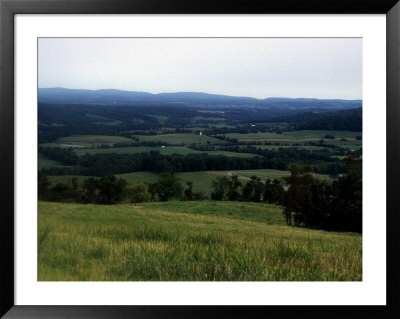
(318, 204)
(105, 164)
(112, 190)
(153, 161)
(306, 201)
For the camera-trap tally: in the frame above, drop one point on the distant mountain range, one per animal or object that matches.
(190, 99)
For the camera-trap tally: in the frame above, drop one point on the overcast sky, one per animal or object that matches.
(258, 67)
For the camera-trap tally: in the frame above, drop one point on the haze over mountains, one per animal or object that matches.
(60, 95)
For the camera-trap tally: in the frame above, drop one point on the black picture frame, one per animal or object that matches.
(8, 8)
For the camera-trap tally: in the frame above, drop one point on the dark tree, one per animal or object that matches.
(153, 190)
(43, 186)
(75, 183)
(139, 193)
(64, 155)
(277, 191)
(89, 191)
(168, 186)
(233, 185)
(347, 203)
(253, 190)
(111, 189)
(189, 191)
(273, 191)
(220, 188)
(267, 196)
(298, 200)
(60, 192)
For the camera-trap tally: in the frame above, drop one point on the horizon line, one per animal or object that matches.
(221, 94)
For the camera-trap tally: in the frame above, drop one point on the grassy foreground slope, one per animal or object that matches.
(189, 241)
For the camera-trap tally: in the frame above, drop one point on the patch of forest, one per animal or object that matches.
(103, 164)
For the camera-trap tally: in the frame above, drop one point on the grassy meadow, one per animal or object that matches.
(294, 136)
(277, 147)
(92, 140)
(179, 139)
(44, 162)
(202, 180)
(188, 241)
(168, 150)
(89, 144)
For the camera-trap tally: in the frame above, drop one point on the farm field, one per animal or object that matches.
(92, 140)
(293, 136)
(277, 147)
(66, 179)
(44, 162)
(321, 134)
(188, 241)
(57, 145)
(342, 157)
(349, 144)
(179, 139)
(168, 150)
(201, 180)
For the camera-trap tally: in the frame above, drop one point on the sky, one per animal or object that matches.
(255, 67)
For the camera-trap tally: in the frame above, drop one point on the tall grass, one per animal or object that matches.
(188, 241)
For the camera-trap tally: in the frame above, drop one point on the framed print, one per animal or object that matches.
(173, 159)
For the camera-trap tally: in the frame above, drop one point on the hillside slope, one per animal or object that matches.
(189, 241)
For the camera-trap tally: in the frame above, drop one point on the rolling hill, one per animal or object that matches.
(198, 99)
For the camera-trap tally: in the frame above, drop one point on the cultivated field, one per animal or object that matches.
(188, 241)
(167, 150)
(179, 139)
(66, 179)
(277, 147)
(44, 162)
(294, 136)
(92, 140)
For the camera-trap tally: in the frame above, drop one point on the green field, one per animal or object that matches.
(277, 147)
(167, 150)
(230, 154)
(179, 139)
(92, 140)
(66, 179)
(321, 134)
(201, 180)
(44, 162)
(349, 144)
(342, 157)
(294, 136)
(61, 145)
(222, 126)
(188, 241)
(133, 178)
